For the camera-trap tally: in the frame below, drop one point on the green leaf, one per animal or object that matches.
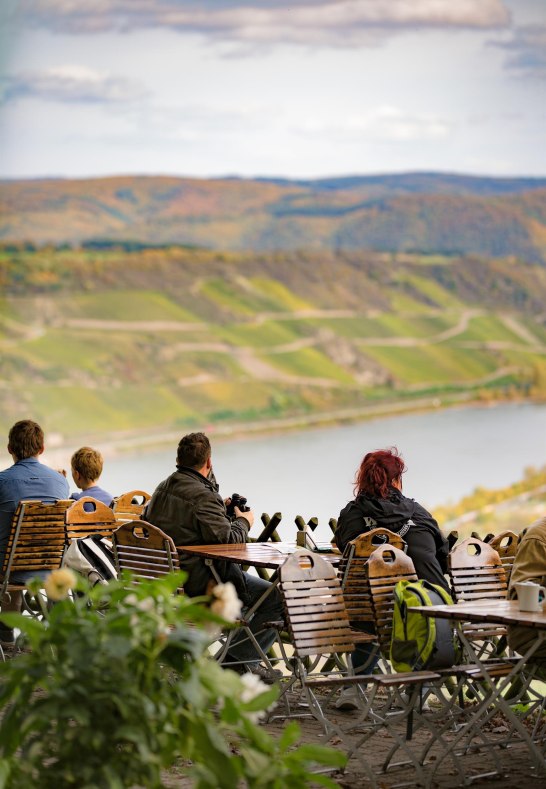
(5, 770)
(320, 754)
(290, 736)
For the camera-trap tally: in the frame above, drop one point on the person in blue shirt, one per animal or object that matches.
(87, 464)
(26, 479)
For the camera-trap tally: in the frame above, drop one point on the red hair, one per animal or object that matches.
(378, 471)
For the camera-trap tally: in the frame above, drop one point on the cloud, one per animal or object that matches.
(310, 22)
(385, 123)
(71, 84)
(527, 50)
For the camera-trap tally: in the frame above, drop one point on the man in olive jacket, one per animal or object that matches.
(529, 565)
(188, 507)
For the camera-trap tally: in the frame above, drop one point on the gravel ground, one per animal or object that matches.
(516, 769)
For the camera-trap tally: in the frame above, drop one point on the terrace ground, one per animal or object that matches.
(517, 770)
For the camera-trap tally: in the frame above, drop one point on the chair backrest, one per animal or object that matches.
(87, 517)
(129, 506)
(475, 571)
(353, 574)
(314, 606)
(386, 566)
(37, 539)
(506, 545)
(144, 550)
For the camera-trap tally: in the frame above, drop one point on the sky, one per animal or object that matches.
(280, 88)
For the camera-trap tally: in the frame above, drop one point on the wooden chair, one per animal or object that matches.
(506, 545)
(97, 519)
(144, 550)
(476, 572)
(352, 572)
(130, 506)
(36, 542)
(386, 566)
(318, 624)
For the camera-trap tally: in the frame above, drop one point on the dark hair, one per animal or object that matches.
(26, 439)
(88, 462)
(378, 471)
(193, 451)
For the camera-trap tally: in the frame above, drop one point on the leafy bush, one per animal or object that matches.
(116, 686)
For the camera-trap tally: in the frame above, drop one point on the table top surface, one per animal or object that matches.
(503, 612)
(257, 554)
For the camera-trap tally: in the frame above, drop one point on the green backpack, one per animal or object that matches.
(421, 642)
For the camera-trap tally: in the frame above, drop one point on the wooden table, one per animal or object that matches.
(253, 554)
(501, 612)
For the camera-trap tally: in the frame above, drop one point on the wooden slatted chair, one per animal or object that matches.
(318, 623)
(87, 517)
(506, 545)
(352, 572)
(36, 544)
(144, 550)
(130, 506)
(387, 566)
(37, 540)
(476, 572)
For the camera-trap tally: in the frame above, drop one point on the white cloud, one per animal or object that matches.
(310, 22)
(71, 84)
(527, 50)
(381, 123)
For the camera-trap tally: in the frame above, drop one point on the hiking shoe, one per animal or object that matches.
(268, 675)
(421, 705)
(347, 700)
(7, 637)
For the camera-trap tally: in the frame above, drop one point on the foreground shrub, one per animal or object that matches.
(117, 687)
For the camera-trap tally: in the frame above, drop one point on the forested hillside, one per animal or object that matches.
(121, 341)
(425, 213)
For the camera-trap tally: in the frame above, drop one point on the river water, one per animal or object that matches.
(310, 473)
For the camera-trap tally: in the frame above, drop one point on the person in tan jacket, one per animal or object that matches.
(529, 565)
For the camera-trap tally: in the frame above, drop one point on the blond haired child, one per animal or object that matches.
(87, 466)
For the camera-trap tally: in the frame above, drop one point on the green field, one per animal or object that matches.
(154, 339)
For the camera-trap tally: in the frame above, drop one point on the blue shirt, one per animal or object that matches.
(96, 493)
(26, 479)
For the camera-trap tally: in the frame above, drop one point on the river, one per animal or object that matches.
(448, 453)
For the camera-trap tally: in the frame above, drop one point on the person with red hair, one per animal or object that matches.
(379, 501)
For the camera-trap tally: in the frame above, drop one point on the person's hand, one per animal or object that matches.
(62, 471)
(248, 515)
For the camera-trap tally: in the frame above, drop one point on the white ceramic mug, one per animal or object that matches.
(530, 596)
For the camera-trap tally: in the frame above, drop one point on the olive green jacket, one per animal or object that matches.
(529, 565)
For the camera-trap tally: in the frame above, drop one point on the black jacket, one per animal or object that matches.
(426, 545)
(188, 507)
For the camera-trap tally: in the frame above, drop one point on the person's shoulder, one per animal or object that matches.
(349, 508)
(536, 530)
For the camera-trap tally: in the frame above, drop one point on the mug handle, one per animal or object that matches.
(541, 594)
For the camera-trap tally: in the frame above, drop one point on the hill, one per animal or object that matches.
(118, 343)
(425, 213)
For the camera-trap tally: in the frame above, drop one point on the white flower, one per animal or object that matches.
(146, 605)
(252, 687)
(131, 599)
(226, 603)
(59, 582)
